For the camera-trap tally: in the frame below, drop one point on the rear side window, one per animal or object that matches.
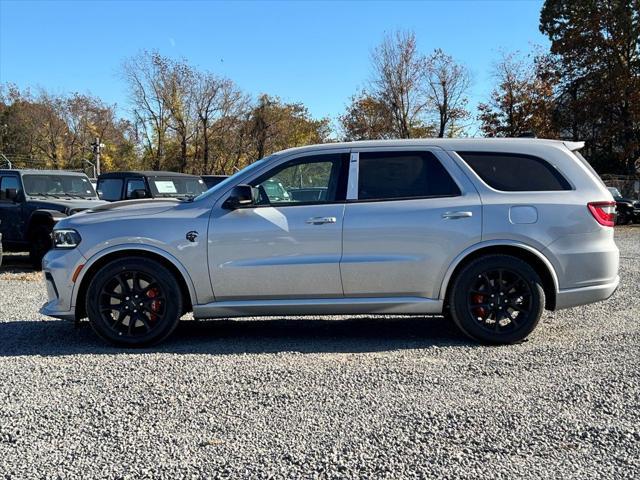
(395, 175)
(135, 184)
(110, 189)
(515, 172)
(7, 183)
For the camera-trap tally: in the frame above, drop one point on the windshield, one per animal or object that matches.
(58, 186)
(176, 187)
(234, 177)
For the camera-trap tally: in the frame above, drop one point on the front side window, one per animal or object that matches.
(403, 175)
(110, 189)
(133, 185)
(314, 179)
(6, 183)
(515, 172)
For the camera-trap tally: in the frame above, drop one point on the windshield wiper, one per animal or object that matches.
(76, 195)
(41, 194)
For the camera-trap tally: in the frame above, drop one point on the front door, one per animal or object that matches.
(289, 244)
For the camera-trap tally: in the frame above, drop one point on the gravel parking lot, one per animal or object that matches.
(314, 397)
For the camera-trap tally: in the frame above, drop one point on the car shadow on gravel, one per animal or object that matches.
(224, 337)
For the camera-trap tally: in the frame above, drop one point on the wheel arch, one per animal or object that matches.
(532, 256)
(47, 218)
(100, 259)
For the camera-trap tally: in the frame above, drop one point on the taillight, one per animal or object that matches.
(603, 212)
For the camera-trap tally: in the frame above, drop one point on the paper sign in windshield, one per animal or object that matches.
(165, 186)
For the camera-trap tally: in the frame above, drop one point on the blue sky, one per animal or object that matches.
(313, 52)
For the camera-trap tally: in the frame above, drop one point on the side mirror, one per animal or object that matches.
(99, 192)
(240, 196)
(11, 194)
(139, 193)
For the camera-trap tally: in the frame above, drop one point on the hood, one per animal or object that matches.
(68, 206)
(623, 200)
(124, 209)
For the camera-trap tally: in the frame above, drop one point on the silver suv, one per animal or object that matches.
(486, 231)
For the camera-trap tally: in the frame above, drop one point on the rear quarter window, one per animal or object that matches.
(512, 172)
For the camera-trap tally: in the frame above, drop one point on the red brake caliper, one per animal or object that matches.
(155, 304)
(478, 311)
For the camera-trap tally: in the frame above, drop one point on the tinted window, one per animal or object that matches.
(314, 179)
(403, 175)
(136, 184)
(110, 188)
(515, 173)
(8, 182)
(176, 187)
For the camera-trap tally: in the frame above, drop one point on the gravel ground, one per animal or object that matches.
(313, 397)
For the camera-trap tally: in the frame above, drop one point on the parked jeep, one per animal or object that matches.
(32, 201)
(213, 180)
(116, 186)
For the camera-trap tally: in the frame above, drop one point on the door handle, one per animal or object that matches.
(454, 215)
(320, 220)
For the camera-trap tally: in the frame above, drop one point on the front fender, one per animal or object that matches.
(46, 215)
(133, 247)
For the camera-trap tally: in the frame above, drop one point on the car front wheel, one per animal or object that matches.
(497, 299)
(134, 302)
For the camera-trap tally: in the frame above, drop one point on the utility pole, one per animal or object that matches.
(96, 154)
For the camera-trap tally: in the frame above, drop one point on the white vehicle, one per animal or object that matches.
(490, 231)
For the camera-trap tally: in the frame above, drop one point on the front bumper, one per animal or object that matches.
(58, 267)
(574, 297)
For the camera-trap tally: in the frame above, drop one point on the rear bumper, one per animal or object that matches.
(573, 297)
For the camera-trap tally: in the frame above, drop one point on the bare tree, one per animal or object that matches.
(176, 80)
(397, 75)
(216, 101)
(151, 115)
(447, 84)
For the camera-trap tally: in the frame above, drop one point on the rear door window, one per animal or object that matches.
(515, 172)
(403, 175)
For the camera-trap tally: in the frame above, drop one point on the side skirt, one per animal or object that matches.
(322, 306)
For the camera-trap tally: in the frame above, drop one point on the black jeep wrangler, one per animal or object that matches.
(32, 201)
(116, 186)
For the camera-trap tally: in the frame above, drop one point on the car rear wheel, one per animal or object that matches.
(134, 302)
(497, 299)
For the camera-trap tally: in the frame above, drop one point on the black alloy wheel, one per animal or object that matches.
(134, 302)
(497, 299)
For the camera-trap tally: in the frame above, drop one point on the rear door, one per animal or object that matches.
(410, 211)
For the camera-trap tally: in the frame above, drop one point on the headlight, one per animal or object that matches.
(66, 239)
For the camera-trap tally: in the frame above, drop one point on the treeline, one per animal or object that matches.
(587, 87)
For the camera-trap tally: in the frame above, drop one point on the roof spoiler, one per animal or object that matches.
(574, 146)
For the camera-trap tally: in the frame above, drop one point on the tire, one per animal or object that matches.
(623, 218)
(476, 312)
(39, 245)
(134, 302)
